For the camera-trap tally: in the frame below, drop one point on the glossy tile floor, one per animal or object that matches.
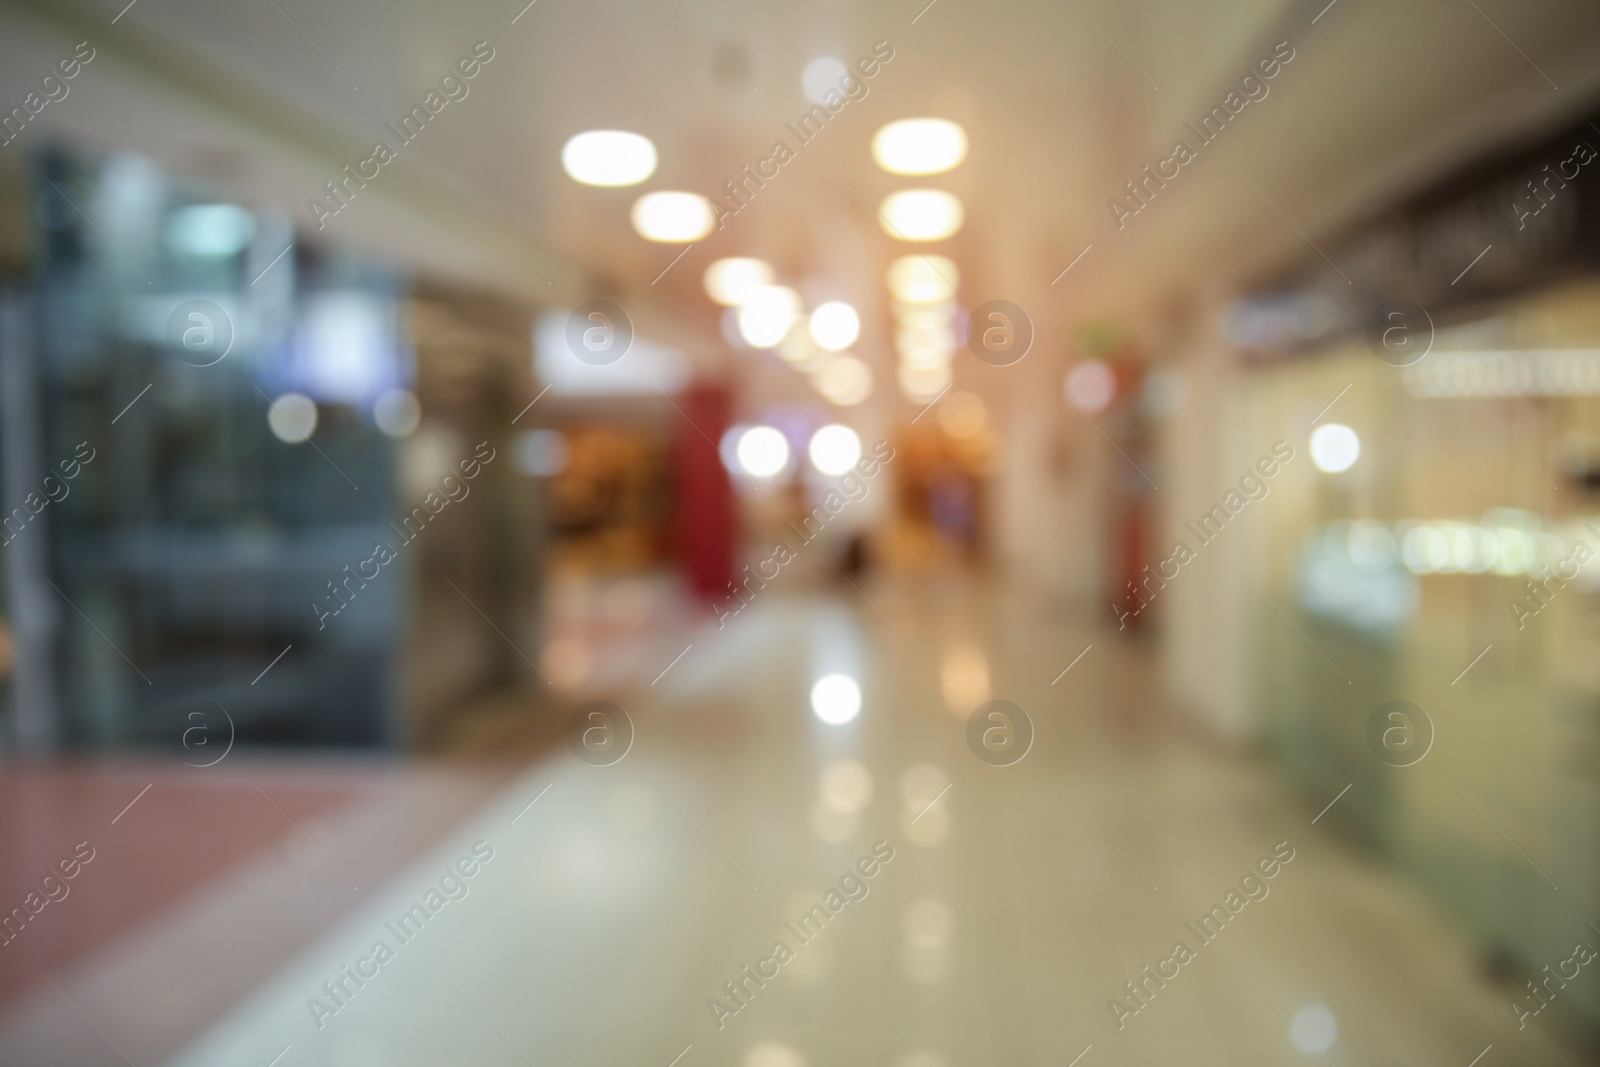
(587, 914)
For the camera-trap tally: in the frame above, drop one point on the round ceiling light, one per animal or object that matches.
(673, 218)
(923, 279)
(822, 76)
(609, 158)
(731, 281)
(768, 315)
(1334, 448)
(835, 325)
(921, 215)
(834, 449)
(762, 451)
(919, 146)
(836, 698)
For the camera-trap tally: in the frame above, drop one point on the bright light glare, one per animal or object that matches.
(731, 281)
(845, 380)
(1313, 1029)
(834, 449)
(292, 418)
(835, 325)
(1091, 385)
(919, 146)
(609, 158)
(822, 76)
(673, 218)
(923, 279)
(1334, 448)
(921, 214)
(762, 451)
(768, 315)
(836, 698)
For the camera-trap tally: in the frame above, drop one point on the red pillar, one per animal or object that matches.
(705, 519)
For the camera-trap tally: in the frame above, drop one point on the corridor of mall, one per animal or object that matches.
(877, 533)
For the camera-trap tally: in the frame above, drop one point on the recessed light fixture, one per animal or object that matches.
(768, 315)
(836, 698)
(609, 158)
(835, 325)
(834, 449)
(1334, 448)
(923, 279)
(919, 146)
(673, 218)
(762, 451)
(921, 215)
(731, 281)
(822, 76)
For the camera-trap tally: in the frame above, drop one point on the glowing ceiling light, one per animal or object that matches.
(921, 215)
(731, 281)
(919, 146)
(836, 698)
(835, 325)
(821, 77)
(845, 380)
(1091, 385)
(834, 449)
(923, 279)
(292, 418)
(609, 158)
(673, 218)
(1334, 448)
(768, 315)
(762, 451)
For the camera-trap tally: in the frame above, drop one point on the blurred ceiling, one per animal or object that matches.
(1063, 102)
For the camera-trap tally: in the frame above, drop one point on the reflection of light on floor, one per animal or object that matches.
(927, 924)
(773, 1054)
(566, 662)
(845, 785)
(926, 965)
(920, 783)
(831, 825)
(1313, 1029)
(813, 960)
(921, 824)
(968, 671)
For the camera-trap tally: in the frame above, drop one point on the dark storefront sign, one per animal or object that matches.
(1519, 219)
